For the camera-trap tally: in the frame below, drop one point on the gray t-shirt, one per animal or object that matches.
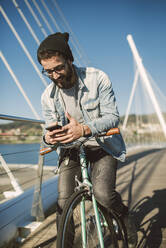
(70, 101)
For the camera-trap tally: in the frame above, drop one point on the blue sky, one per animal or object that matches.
(101, 28)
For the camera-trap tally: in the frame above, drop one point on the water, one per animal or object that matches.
(25, 154)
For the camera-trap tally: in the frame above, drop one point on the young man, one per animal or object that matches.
(82, 101)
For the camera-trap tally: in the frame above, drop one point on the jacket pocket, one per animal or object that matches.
(92, 108)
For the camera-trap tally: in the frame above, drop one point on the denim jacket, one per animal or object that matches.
(97, 104)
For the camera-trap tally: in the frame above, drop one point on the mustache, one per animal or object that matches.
(62, 77)
(62, 82)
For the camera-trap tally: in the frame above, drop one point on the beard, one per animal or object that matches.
(68, 79)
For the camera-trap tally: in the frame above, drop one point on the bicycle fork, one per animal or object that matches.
(83, 223)
(100, 235)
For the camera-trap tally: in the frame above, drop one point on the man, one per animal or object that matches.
(82, 101)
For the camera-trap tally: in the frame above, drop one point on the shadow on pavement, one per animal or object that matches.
(46, 243)
(151, 227)
(150, 211)
(135, 157)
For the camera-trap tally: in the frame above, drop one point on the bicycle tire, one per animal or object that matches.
(69, 230)
(118, 231)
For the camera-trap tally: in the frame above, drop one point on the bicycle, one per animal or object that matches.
(84, 222)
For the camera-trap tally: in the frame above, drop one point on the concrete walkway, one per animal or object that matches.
(142, 184)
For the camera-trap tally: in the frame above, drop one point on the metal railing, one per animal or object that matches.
(16, 118)
(37, 208)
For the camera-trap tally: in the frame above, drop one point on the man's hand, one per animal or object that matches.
(68, 133)
(49, 136)
(74, 130)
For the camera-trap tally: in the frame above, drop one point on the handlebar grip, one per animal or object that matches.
(46, 150)
(113, 131)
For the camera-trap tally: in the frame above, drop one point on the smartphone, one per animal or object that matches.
(53, 127)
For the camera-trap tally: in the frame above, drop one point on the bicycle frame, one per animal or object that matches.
(86, 183)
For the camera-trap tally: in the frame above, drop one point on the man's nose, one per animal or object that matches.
(55, 75)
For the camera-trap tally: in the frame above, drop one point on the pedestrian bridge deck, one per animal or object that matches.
(141, 182)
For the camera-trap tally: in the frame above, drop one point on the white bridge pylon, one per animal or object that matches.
(140, 71)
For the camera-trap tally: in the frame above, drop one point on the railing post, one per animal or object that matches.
(37, 206)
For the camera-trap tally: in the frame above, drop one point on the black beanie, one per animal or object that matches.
(56, 42)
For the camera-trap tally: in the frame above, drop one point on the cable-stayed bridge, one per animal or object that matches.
(144, 123)
(145, 112)
(140, 179)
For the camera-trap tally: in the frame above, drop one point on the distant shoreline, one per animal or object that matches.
(8, 142)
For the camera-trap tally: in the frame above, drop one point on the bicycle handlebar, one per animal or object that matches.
(110, 132)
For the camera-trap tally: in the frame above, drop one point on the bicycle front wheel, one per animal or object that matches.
(70, 228)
